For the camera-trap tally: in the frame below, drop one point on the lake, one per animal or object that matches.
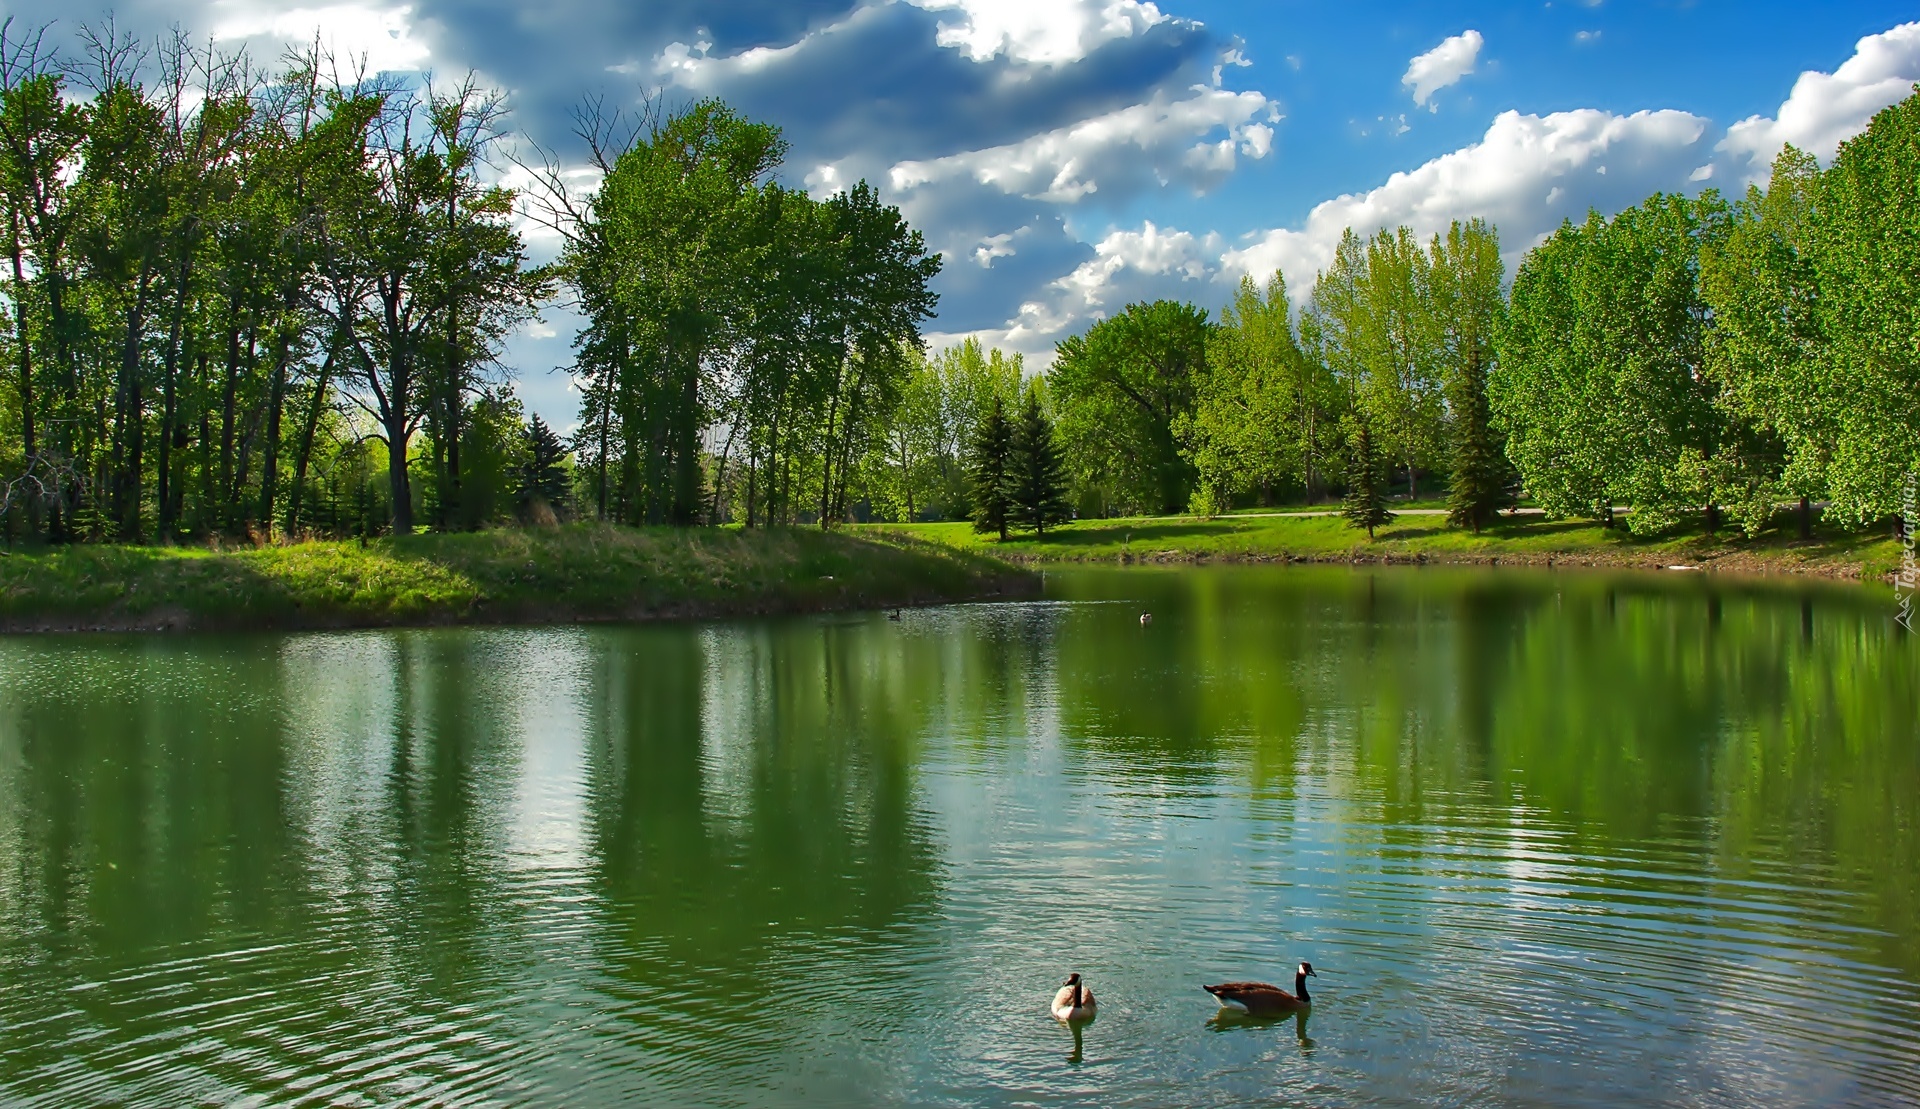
(1548, 838)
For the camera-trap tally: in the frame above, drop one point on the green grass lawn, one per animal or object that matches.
(1529, 539)
(575, 572)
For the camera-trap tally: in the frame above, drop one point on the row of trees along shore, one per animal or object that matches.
(1689, 358)
(247, 303)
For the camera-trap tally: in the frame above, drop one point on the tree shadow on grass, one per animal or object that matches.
(1144, 532)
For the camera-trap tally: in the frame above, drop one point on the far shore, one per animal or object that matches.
(578, 573)
(1421, 536)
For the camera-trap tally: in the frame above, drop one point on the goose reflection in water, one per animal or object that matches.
(1079, 1029)
(1229, 1020)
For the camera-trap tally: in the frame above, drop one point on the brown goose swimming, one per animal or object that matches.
(1074, 1001)
(1261, 999)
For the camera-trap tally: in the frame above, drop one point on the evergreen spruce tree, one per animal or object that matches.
(1483, 479)
(989, 468)
(542, 478)
(1038, 492)
(1366, 503)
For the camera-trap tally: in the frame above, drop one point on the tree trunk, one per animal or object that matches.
(131, 417)
(398, 487)
(1806, 518)
(450, 488)
(686, 447)
(276, 397)
(753, 458)
(169, 412)
(306, 443)
(227, 429)
(206, 448)
(26, 369)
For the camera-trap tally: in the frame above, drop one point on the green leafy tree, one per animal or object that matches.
(1365, 505)
(990, 467)
(1037, 483)
(664, 262)
(1119, 389)
(42, 131)
(1601, 382)
(1866, 249)
(1262, 408)
(906, 475)
(970, 377)
(1373, 324)
(1767, 350)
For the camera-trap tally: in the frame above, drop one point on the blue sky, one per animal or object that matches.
(1070, 156)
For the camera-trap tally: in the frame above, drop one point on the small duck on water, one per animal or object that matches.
(1261, 999)
(1074, 1001)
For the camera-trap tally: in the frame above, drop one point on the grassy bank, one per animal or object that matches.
(576, 572)
(1530, 540)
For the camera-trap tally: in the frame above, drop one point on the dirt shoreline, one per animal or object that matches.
(1015, 587)
(1742, 563)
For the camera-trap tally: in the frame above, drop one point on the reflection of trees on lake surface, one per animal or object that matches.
(753, 818)
(471, 864)
(1768, 727)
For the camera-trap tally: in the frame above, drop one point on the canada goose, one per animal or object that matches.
(1258, 999)
(894, 615)
(1146, 618)
(1074, 1001)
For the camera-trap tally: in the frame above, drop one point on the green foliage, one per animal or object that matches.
(218, 277)
(1601, 383)
(583, 571)
(1264, 412)
(715, 296)
(1866, 247)
(990, 466)
(1767, 351)
(1037, 479)
(1365, 505)
(1375, 325)
(1119, 389)
(970, 378)
(1469, 307)
(543, 478)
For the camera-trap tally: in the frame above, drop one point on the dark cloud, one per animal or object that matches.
(878, 85)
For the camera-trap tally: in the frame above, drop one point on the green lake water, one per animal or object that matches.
(1549, 838)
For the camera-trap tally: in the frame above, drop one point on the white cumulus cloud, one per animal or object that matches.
(1041, 32)
(1527, 174)
(1444, 65)
(1524, 176)
(382, 37)
(1151, 143)
(1127, 266)
(1826, 109)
